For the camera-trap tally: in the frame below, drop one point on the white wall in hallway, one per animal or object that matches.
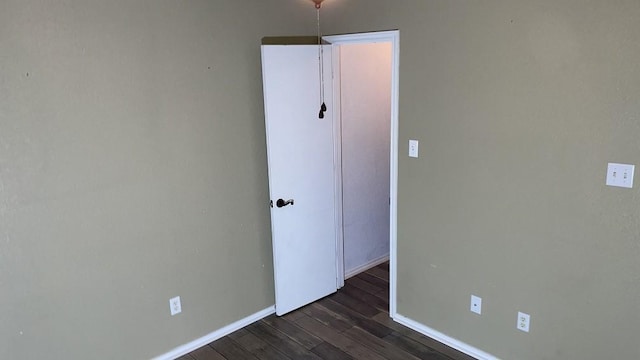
(366, 113)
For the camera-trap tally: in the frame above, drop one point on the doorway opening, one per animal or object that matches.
(366, 77)
(365, 129)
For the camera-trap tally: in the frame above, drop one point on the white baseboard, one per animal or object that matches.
(440, 337)
(198, 343)
(362, 268)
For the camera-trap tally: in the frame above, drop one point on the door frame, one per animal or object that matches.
(393, 37)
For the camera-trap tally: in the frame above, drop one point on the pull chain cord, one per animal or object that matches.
(323, 107)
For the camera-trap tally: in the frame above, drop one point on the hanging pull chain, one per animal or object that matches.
(323, 107)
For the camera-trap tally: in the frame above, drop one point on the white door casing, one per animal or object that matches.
(392, 36)
(300, 151)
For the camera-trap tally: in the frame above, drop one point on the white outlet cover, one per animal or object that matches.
(620, 175)
(524, 321)
(175, 306)
(476, 305)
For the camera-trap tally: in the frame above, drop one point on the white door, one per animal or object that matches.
(300, 154)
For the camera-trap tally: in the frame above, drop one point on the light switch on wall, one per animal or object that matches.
(620, 175)
(413, 148)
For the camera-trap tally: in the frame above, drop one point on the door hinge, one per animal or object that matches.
(271, 203)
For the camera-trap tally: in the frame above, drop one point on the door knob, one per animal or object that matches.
(281, 203)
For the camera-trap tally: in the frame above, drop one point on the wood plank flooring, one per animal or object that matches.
(353, 323)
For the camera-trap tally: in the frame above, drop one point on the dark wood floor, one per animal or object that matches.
(353, 323)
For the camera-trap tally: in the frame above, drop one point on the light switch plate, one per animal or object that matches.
(413, 148)
(620, 175)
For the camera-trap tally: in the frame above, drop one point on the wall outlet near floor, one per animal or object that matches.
(476, 304)
(175, 306)
(523, 321)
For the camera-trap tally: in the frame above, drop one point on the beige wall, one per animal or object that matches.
(518, 106)
(132, 170)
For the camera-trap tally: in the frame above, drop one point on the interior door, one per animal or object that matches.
(301, 174)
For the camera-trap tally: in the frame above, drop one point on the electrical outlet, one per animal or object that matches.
(523, 321)
(175, 306)
(476, 304)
